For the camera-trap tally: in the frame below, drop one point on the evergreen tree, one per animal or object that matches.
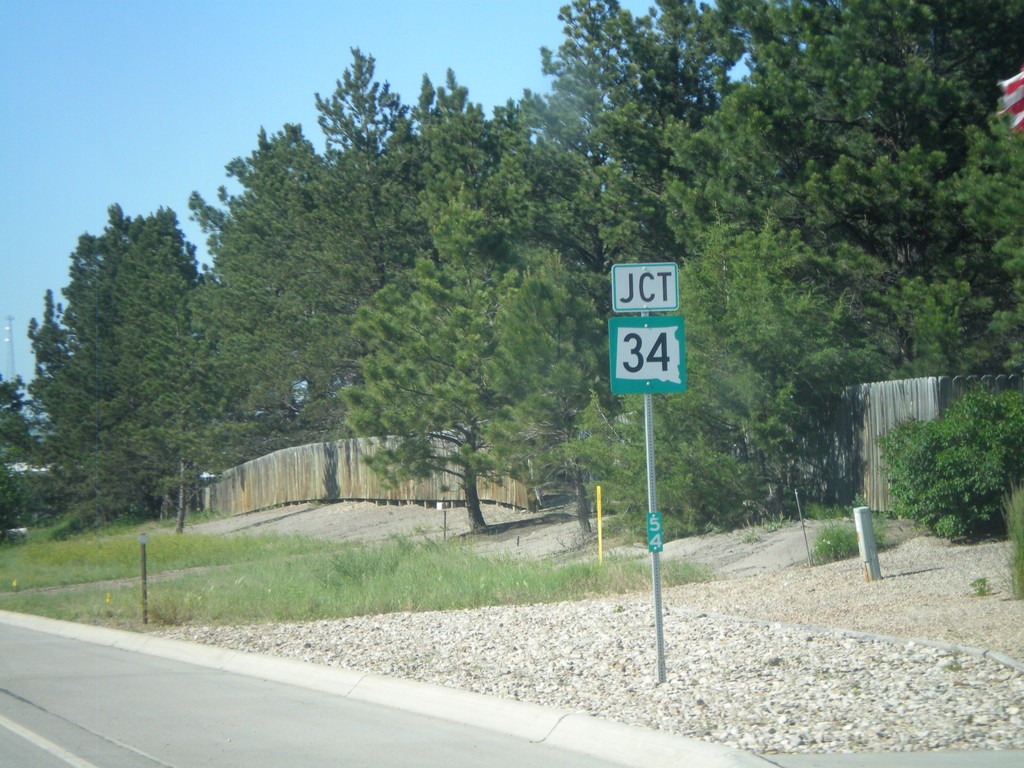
(547, 366)
(425, 381)
(850, 129)
(990, 189)
(16, 439)
(271, 304)
(430, 334)
(603, 143)
(369, 194)
(16, 447)
(163, 377)
(113, 371)
(307, 242)
(766, 355)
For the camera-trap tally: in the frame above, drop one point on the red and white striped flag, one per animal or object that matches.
(1013, 100)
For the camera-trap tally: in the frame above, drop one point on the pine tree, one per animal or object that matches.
(850, 128)
(547, 367)
(425, 381)
(16, 447)
(271, 305)
(113, 371)
(307, 242)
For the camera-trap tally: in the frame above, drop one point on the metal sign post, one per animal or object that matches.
(654, 538)
(647, 355)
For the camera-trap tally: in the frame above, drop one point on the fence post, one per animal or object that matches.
(866, 543)
(143, 538)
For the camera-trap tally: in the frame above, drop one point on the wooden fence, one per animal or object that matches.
(869, 411)
(335, 471)
(848, 465)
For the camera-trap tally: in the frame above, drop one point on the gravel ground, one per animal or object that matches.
(776, 662)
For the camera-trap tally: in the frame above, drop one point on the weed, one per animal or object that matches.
(750, 535)
(836, 541)
(981, 587)
(172, 611)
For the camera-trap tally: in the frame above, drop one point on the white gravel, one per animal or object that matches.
(772, 663)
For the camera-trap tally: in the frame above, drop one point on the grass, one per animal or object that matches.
(249, 579)
(97, 557)
(1013, 509)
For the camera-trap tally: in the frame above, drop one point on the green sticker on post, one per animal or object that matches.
(655, 537)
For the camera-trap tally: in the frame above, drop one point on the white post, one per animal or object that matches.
(866, 543)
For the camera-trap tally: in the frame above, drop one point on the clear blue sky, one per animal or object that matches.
(139, 102)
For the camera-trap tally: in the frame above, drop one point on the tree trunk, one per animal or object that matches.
(582, 502)
(181, 497)
(476, 516)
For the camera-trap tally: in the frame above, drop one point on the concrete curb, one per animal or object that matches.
(580, 733)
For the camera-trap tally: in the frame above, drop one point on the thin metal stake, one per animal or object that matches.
(800, 512)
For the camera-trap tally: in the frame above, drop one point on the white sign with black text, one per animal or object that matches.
(645, 287)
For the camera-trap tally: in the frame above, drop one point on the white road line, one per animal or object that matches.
(45, 744)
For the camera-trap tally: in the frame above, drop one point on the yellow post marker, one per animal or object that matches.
(600, 540)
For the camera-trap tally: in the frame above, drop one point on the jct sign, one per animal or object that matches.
(647, 355)
(645, 287)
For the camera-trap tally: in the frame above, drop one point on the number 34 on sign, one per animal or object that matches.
(647, 354)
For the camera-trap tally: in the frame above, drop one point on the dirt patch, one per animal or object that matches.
(510, 531)
(767, 548)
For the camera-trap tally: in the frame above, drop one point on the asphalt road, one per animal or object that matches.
(64, 702)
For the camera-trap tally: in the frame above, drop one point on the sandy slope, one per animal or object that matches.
(739, 553)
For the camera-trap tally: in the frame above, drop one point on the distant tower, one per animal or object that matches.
(9, 346)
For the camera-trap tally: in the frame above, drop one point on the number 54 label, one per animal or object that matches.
(647, 354)
(655, 535)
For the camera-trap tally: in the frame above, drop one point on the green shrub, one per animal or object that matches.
(835, 541)
(1013, 509)
(951, 475)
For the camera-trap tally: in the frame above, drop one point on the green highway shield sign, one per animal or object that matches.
(647, 354)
